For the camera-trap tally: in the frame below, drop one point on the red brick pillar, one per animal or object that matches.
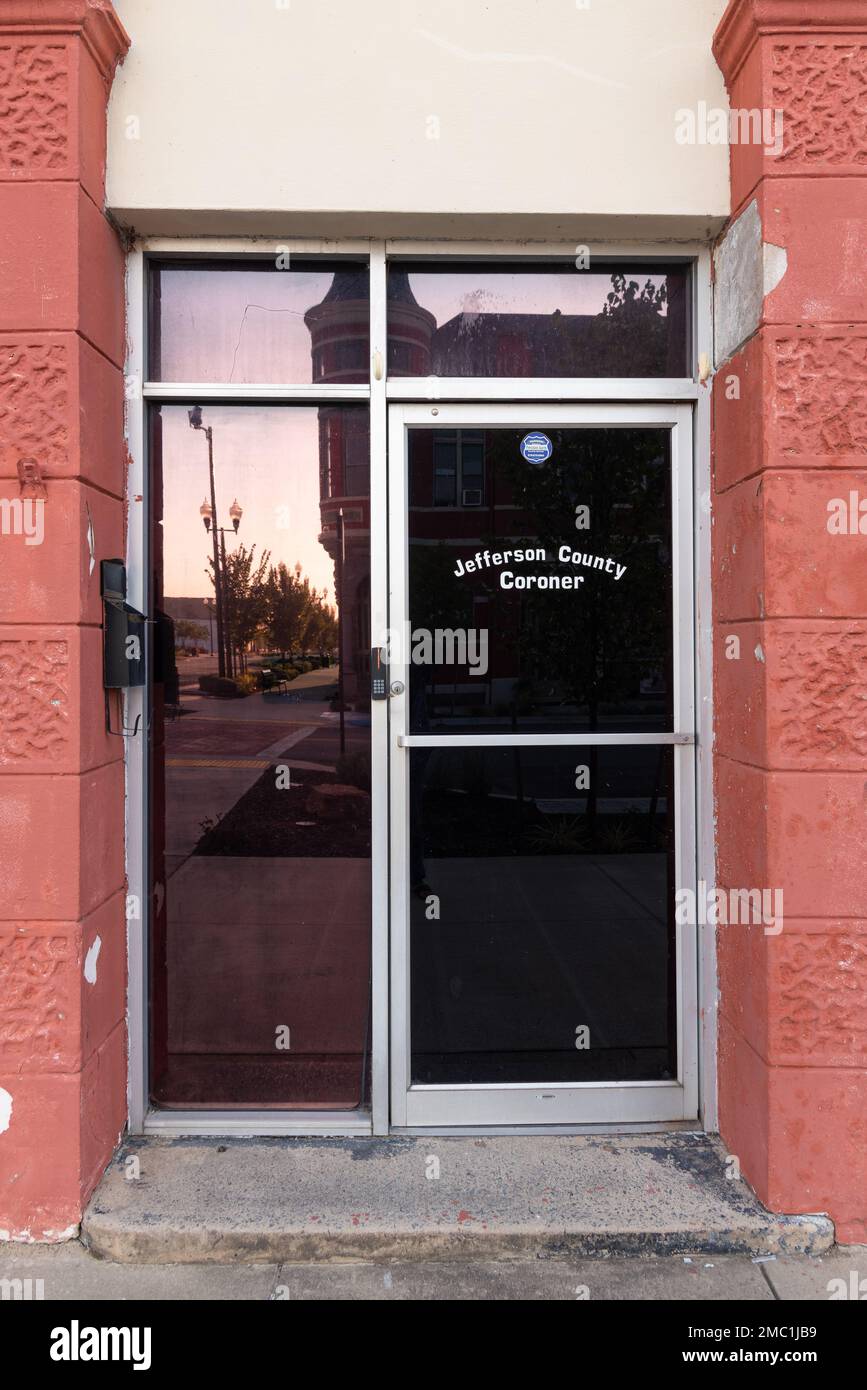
(62, 919)
(790, 467)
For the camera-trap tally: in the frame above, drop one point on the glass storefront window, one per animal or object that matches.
(542, 320)
(250, 322)
(553, 959)
(260, 756)
(561, 571)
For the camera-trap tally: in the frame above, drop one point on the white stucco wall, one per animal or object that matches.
(410, 117)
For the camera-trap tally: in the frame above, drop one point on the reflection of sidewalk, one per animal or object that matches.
(574, 939)
(216, 752)
(256, 944)
(202, 788)
(250, 709)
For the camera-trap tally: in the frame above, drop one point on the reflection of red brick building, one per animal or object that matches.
(339, 336)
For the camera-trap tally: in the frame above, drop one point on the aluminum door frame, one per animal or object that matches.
(534, 1103)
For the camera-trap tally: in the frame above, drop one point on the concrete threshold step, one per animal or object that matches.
(399, 1199)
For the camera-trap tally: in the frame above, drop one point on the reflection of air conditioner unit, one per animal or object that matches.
(471, 497)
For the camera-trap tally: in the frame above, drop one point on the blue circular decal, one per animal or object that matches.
(536, 447)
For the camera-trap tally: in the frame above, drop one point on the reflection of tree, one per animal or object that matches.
(598, 643)
(592, 647)
(186, 631)
(437, 597)
(244, 600)
(296, 615)
(630, 335)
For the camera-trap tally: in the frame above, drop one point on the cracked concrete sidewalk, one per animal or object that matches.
(70, 1273)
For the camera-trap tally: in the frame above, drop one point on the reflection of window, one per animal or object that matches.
(356, 464)
(459, 469)
(407, 359)
(344, 454)
(544, 319)
(325, 449)
(337, 357)
(246, 321)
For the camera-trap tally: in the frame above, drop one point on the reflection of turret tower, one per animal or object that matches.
(340, 345)
(411, 329)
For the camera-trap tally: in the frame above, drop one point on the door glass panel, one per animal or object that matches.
(546, 320)
(251, 322)
(260, 757)
(540, 589)
(542, 915)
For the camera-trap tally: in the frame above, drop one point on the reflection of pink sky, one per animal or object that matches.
(238, 326)
(448, 295)
(267, 457)
(248, 327)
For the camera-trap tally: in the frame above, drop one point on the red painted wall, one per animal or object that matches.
(791, 731)
(62, 1034)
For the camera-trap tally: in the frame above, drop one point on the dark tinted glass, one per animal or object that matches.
(249, 322)
(260, 758)
(545, 321)
(552, 954)
(535, 624)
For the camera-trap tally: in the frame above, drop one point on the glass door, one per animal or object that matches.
(542, 764)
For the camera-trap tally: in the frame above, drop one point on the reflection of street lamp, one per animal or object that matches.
(209, 517)
(235, 512)
(209, 604)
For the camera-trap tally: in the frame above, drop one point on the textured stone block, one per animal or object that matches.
(61, 402)
(816, 695)
(822, 225)
(773, 552)
(63, 987)
(818, 403)
(63, 265)
(821, 87)
(817, 987)
(39, 970)
(738, 553)
(803, 833)
(795, 697)
(35, 102)
(739, 421)
(62, 844)
(775, 55)
(818, 1145)
(51, 718)
(56, 581)
(40, 1165)
(36, 700)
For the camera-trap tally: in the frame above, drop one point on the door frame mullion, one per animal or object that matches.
(586, 1103)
